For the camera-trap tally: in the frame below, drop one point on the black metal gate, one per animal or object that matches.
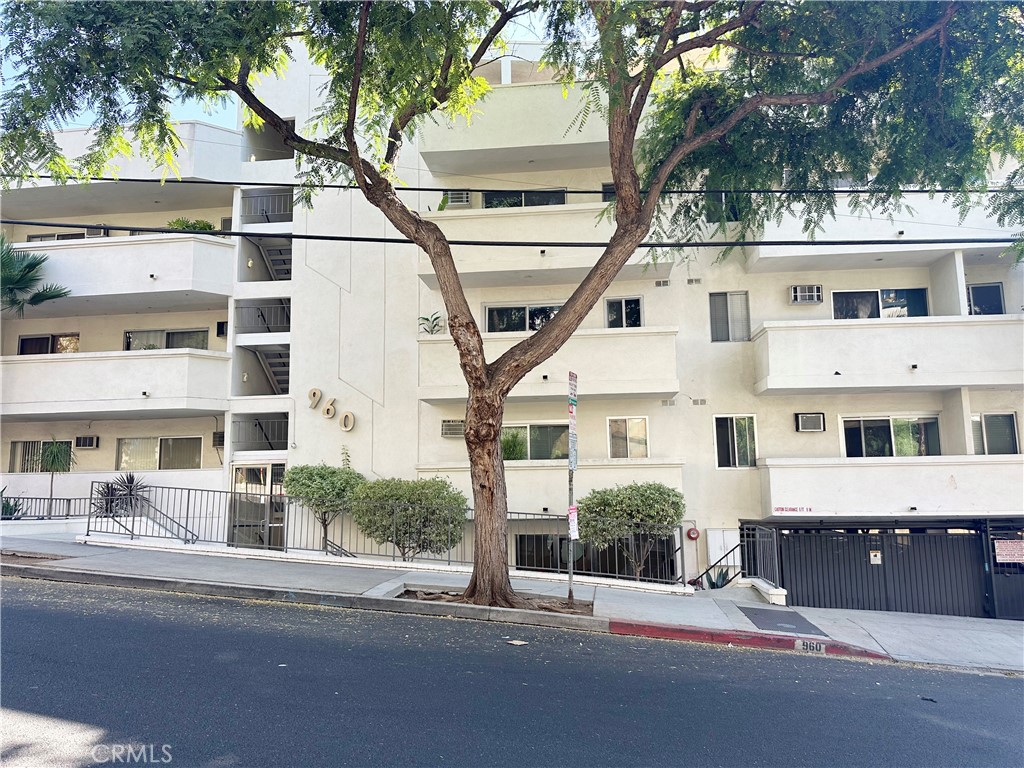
(1005, 549)
(939, 572)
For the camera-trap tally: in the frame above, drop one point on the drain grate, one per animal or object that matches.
(777, 620)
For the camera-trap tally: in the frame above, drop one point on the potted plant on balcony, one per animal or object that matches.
(191, 225)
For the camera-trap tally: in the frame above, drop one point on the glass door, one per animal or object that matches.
(258, 506)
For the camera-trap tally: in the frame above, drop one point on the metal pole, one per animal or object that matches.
(571, 548)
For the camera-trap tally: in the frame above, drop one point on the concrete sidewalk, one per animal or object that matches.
(736, 616)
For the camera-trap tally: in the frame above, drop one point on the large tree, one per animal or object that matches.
(696, 95)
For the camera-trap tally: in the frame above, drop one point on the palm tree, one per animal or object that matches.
(55, 457)
(20, 276)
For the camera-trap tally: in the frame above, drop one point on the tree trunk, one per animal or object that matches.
(490, 583)
(49, 504)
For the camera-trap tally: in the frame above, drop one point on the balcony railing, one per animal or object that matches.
(263, 318)
(259, 434)
(266, 205)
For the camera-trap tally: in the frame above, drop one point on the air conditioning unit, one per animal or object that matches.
(87, 441)
(458, 198)
(95, 232)
(805, 294)
(810, 422)
(453, 428)
(218, 439)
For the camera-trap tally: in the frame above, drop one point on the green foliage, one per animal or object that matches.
(194, 225)
(324, 490)
(21, 275)
(126, 494)
(719, 579)
(427, 515)
(513, 443)
(633, 515)
(11, 508)
(56, 456)
(432, 323)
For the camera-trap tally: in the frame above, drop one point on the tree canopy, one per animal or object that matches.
(696, 94)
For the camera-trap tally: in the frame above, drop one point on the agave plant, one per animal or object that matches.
(131, 493)
(21, 277)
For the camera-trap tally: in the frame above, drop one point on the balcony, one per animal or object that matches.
(98, 385)
(499, 140)
(159, 272)
(929, 486)
(634, 362)
(910, 353)
(509, 266)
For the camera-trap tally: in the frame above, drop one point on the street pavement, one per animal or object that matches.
(91, 671)
(731, 616)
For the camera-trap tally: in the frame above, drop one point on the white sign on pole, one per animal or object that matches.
(574, 524)
(573, 452)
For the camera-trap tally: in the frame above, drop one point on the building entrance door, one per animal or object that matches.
(257, 506)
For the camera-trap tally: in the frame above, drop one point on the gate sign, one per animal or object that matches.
(1009, 550)
(574, 524)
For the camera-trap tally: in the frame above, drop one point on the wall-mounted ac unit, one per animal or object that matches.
(95, 232)
(805, 294)
(218, 439)
(458, 198)
(810, 422)
(87, 441)
(453, 428)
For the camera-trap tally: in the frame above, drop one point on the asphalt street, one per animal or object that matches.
(92, 673)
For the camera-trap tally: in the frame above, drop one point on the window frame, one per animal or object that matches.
(525, 306)
(980, 417)
(526, 425)
(881, 306)
(622, 302)
(159, 453)
(890, 417)
(165, 331)
(970, 300)
(522, 193)
(51, 344)
(19, 453)
(734, 452)
(728, 316)
(647, 436)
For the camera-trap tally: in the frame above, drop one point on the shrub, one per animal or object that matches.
(324, 490)
(636, 515)
(415, 515)
(513, 444)
(11, 508)
(201, 225)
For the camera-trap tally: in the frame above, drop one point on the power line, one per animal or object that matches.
(295, 185)
(513, 244)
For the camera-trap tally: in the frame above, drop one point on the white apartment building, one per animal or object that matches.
(848, 382)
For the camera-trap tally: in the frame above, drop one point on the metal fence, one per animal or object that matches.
(42, 508)
(266, 205)
(262, 318)
(259, 434)
(397, 532)
(759, 550)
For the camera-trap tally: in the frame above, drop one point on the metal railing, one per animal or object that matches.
(256, 434)
(42, 508)
(263, 318)
(759, 548)
(393, 531)
(266, 206)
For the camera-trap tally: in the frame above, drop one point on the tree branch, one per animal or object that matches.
(193, 83)
(660, 176)
(353, 97)
(711, 37)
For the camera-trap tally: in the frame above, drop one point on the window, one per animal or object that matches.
(137, 453)
(985, 299)
(187, 339)
(607, 193)
(520, 318)
(50, 344)
(623, 313)
(730, 316)
(994, 433)
(51, 236)
(627, 438)
(891, 437)
(888, 302)
(543, 441)
(734, 441)
(26, 455)
(511, 199)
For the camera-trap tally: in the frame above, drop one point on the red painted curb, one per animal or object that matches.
(738, 638)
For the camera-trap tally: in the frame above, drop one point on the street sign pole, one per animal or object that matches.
(573, 521)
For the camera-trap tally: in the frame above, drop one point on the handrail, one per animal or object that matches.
(697, 579)
(191, 536)
(336, 549)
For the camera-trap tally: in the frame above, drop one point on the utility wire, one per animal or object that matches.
(520, 243)
(293, 185)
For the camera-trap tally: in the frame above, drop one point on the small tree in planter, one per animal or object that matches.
(415, 515)
(55, 456)
(636, 514)
(324, 490)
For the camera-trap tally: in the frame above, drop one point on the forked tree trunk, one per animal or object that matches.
(490, 584)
